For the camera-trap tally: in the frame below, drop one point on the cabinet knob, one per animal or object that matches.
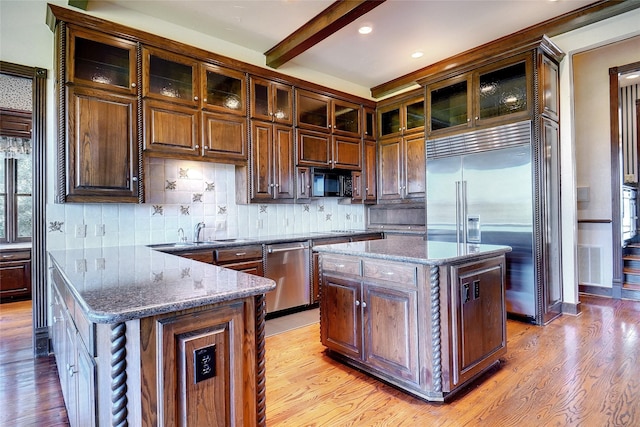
(364, 304)
(357, 303)
(196, 147)
(133, 85)
(206, 147)
(134, 179)
(195, 98)
(477, 117)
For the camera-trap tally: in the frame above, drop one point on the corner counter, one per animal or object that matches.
(148, 338)
(427, 317)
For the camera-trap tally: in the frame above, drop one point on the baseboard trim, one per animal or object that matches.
(41, 342)
(571, 308)
(595, 290)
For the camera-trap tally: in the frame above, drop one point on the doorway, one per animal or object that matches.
(38, 192)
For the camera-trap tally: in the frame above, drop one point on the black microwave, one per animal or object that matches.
(331, 184)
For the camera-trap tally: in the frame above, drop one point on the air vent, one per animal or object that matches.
(481, 140)
(590, 265)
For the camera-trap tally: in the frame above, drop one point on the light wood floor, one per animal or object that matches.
(577, 371)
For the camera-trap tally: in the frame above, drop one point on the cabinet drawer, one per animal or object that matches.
(341, 265)
(238, 253)
(15, 255)
(400, 273)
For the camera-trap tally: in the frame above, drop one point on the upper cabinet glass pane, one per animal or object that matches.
(283, 104)
(313, 111)
(415, 115)
(225, 92)
(449, 106)
(101, 63)
(390, 122)
(347, 117)
(261, 99)
(369, 127)
(503, 91)
(170, 79)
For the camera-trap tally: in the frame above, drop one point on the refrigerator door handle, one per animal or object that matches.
(458, 211)
(463, 219)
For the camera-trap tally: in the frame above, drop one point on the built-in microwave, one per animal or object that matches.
(331, 184)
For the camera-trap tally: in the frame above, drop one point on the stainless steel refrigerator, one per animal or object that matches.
(481, 189)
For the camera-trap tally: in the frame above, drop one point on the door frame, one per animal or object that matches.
(38, 197)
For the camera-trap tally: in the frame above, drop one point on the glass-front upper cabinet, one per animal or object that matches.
(170, 77)
(224, 90)
(402, 117)
(494, 94)
(450, 104)
(101, 61)
(271, 101)
(369, 125)
(345, 117)
(312, 110)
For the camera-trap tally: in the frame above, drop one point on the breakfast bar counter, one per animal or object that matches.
(148, 338)
(427, 317)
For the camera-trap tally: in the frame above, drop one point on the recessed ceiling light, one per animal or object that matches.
(365, 29)
(417, 54)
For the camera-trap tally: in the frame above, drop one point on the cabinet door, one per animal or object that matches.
(283, 162)
(101, 61)
(481, 316)
(171, 128)
(369, 124)
(449, 104)
(224, 137)
(15, 278)
(341, 315)
(357, 189)
(503, 92)
(347, 153)
(370, 172)
(271, 101)
(413, 115)
(86, 382)
(549, 88)
(390, 169)
(414, 181)
(314, 148)
(391, 340)
(345, 118)
(313, 110)
(103, 151)
(389, 120)
(170, 77)
(303, 183)
(261, 160)
(224, 90)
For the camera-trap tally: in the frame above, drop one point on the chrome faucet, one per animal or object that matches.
(196, 232)
(181, 236)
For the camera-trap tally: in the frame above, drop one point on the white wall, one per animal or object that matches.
(589, 37)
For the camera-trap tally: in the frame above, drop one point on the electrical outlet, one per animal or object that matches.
(204, 363)
(259, 224)
(81, 266)
(100, 262)
(99, 230)
(81, 230)
(221, 225)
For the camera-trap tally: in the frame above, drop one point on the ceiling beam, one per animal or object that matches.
(333, 18)
(570, 21)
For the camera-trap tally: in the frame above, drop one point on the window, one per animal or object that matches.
(15, 197)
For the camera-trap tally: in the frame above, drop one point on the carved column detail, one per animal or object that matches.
(261, 407)
(119, 411)
(436, 338)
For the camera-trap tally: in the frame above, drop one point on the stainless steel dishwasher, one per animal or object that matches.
(288, 265)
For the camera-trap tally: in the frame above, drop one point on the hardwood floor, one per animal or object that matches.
(577, 371)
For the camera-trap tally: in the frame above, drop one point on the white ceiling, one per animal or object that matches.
(439, 29)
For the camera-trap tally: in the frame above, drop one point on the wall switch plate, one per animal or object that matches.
(100, 263)
(204, 363)
(221, 225)
(81, 265)
(99, 231)
(81, 230)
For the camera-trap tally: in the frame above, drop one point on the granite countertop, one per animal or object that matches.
(116, 284)
(425, 252)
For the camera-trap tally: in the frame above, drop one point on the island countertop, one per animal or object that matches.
(404, 250)
(117, 284)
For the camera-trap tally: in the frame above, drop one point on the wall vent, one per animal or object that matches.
(590, 265)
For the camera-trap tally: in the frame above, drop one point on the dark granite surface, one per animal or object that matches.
(116, 284)
(412, 250)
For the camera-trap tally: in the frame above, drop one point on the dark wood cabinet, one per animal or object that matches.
(15, 274)
(488, 96)
(170, 77)
(364, 183)
(272, 172)
(402, 168)
(102, 147)
(303, 183)
(401, 115)
(204, 255)
(271, 101)
(247, 258)
(326, 114)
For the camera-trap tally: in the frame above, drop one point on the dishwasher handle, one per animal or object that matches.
(273, 250)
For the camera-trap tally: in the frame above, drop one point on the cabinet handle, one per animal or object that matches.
(389, 273)
(241, 253)
(339, 265)
(357, 303)
(133, 85)
(206, 147)
(196, 147)
(134, 178)
(195, 98)
(364, 304)
(70, 369)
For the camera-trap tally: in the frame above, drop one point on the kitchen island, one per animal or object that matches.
(427, 317)
(147, 338)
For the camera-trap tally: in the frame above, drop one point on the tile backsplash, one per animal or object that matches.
(179, 195)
